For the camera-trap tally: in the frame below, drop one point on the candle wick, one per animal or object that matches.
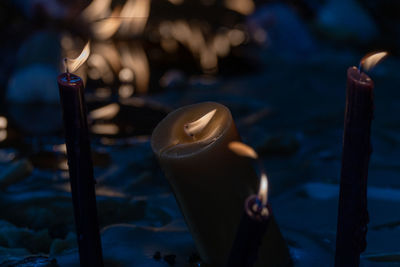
(359, 69)
(66, 69)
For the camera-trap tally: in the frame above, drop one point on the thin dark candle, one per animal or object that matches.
(254, 223)
(80, 169)
(353, 214)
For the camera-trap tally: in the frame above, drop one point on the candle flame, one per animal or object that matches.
(197, 126)
(263, 191)
(72, 65)
(242, 149)
(372, 59)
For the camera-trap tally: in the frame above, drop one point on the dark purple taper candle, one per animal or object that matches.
(353, 215)
(80, 169)
(254, 223)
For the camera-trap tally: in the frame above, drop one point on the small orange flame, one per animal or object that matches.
(72, 65)
(197, 126)
(242, 149)
(371, 60)
(263, 191)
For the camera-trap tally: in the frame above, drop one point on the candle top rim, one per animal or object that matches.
(162, 140)
(359, 77)
(73, 79)
(262, 213)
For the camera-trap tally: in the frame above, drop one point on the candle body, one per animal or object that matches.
(80, 169)
(353, 214)
(253, 225)
(209, 181)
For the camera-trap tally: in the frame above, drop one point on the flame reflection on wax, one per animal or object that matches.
(242, 149)
(371, 60)
(263, 192)
(197, 126)
(73, 64)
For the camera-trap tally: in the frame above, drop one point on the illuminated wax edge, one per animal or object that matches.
(164, 144)
(359, 76)
(70, 80)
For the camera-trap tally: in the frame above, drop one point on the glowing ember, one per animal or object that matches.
(197, 126)
(371, 60)
(243, 150)
(106, 112)
(263, 192)
(72, 65)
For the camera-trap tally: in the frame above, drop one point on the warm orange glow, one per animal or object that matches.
(208, 59)
(236, 37)
(135, 58)
(3, 135)
(97, 9)
(126, 75)
(245, 7)
(197, 126)
(106, 28)
(63, 165)
(221, 45)
(176, 2)
(110, 54)
(263, 192)
(73, 64)
(106, 112)
(60, 148)
(100, 68)
(103, 92)
(126, 90)
(371, 60)
(107, 129)
(243, 150)
(135, 14)
(3, 122)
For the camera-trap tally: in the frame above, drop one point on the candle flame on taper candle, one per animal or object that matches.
(197, 126)
(263, 191)
(242, 149)
(371, 60)
(71, 65)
